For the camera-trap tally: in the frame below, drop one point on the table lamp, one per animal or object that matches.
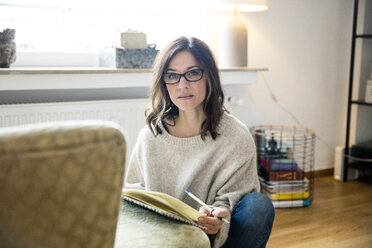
(234, 34)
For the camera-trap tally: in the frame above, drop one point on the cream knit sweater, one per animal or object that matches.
(219, 172)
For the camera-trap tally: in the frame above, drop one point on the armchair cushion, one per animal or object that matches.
(60, 184)
(142, 228)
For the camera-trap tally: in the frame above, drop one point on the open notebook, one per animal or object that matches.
(163, 204)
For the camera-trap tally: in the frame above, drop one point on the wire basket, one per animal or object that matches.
(285, 164)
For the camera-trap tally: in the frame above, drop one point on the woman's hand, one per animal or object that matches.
(211, 222)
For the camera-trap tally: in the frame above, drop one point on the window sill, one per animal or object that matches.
(93, 78)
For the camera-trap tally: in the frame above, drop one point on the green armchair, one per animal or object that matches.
(60, 184)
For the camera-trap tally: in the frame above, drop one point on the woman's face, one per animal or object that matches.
(187, 96)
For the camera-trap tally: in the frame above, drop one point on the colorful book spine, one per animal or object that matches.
(288, 196)
(283, 165)
(284, 175)
(291, 204)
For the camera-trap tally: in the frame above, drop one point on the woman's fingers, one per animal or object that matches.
(212, 224)
(211, 229)
(212, 221)
(220, 212)
(204, 210)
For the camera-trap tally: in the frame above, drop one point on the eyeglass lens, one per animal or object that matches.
(191, 76)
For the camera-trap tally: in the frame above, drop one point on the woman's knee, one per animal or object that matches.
(252, 221)
(262, 202)
(258, 208)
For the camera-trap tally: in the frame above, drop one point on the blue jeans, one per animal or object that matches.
(251, 222)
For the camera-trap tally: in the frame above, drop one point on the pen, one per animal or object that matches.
(204, 205)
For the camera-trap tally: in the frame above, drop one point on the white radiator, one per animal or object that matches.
(128, 113)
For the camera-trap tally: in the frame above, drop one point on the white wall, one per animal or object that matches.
(305, 44)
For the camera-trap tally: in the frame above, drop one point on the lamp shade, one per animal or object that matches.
(244, 5)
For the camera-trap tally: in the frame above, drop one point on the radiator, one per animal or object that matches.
(128, 113)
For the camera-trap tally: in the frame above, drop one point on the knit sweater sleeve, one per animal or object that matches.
(242, 181)
(134, 174)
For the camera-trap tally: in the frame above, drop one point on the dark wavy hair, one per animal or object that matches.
(162, 108)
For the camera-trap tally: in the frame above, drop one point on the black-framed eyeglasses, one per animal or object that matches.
(193, 75)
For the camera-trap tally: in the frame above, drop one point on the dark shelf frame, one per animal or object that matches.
(347, 163)
(361, 103)
(365, 36)
(361, 165)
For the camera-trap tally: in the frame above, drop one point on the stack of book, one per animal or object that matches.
(283, 182)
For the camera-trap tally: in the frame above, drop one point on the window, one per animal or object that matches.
(88, 26)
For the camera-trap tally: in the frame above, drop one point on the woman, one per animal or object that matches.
(191, 142)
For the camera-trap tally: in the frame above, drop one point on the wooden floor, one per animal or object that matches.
(340, 216)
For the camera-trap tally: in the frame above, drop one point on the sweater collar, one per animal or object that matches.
(191, 141)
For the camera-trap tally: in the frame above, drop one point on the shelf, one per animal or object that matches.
(361, 165)
(366, 36)
(96, 78)
(362, 55)
(362, 103)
